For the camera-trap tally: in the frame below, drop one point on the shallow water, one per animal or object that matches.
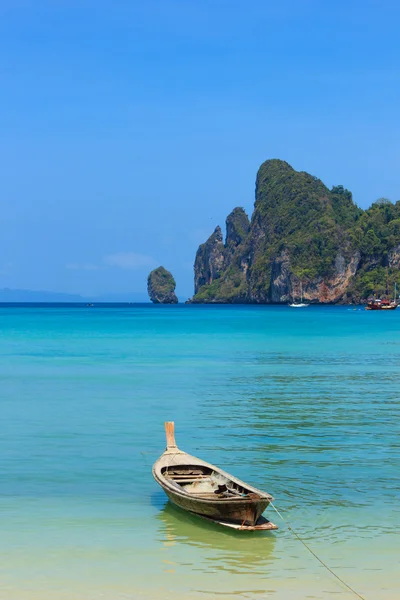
(304, 404)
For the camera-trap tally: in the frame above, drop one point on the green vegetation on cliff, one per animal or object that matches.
(377, 236)
(301, 233)
(296, 211)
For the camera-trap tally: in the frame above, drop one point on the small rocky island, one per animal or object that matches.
(161, 287)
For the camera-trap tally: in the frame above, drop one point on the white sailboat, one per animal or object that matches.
(300, 304)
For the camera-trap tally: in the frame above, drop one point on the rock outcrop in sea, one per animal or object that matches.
(301, 236)
(161, 286)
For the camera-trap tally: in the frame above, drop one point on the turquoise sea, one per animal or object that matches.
(302, 403)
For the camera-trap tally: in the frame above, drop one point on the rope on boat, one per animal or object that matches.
(170, 459)
(317, 557)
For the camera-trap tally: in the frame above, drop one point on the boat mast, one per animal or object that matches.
(387, 282)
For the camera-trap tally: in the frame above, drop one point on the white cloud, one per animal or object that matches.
(129, 260)
(82, 267)
(121, 260)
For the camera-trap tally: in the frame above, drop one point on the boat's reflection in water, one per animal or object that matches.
(200, 544)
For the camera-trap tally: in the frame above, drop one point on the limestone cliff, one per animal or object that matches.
(237, 228)
(210, 260)
(161, 287)
(301, 235)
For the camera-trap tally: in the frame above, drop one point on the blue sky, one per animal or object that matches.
(130, 129)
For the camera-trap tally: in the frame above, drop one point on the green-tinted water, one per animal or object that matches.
(301, 403)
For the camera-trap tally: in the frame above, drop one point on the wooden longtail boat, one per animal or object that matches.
(208, 491)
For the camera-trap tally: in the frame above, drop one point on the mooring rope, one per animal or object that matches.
(317, 557)
(170, 459)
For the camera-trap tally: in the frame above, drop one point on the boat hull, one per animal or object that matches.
(241, 511)
(261, 525)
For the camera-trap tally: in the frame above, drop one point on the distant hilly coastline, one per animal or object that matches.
(301, 235)
(16, 295)
(10, 295)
